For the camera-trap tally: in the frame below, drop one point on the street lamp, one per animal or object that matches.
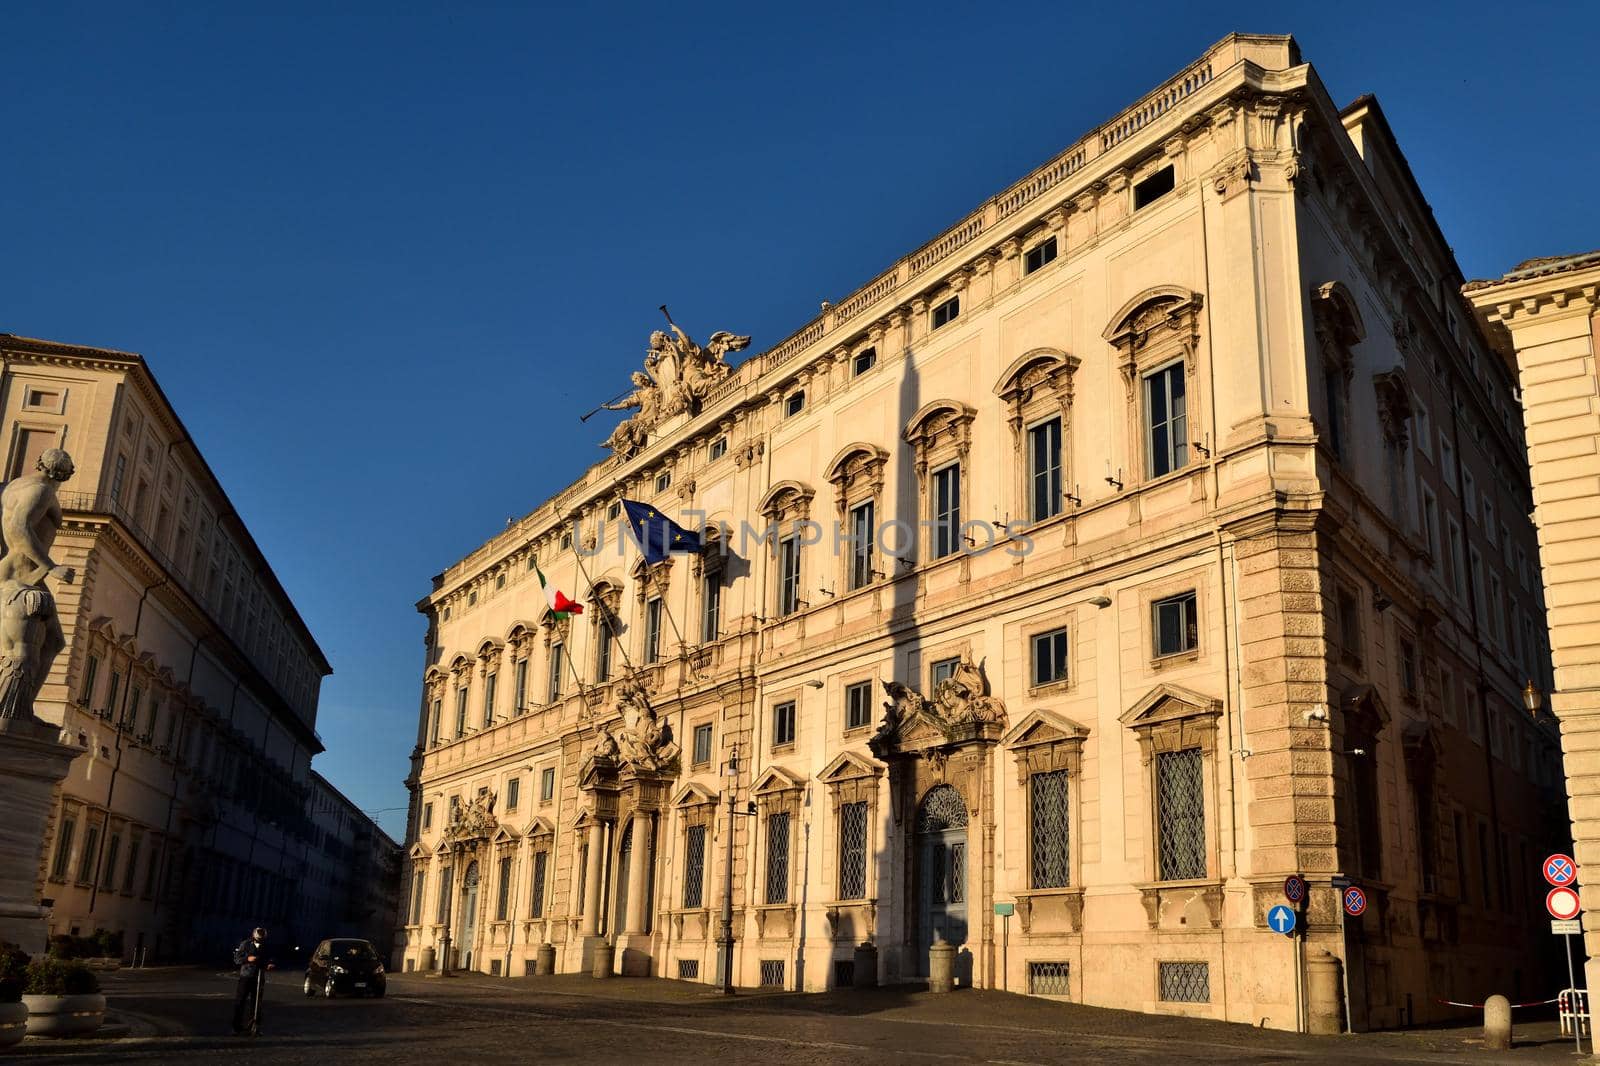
(1532, 699)
(725, 941)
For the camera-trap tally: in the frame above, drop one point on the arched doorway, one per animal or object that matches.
(469, 914)
(941, 851)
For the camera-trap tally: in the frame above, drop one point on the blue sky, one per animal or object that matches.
(381, 263)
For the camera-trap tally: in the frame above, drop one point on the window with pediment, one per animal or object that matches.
(1157, 336)
(857, 476)
(1338, 328)
(1177, 733)
(1037, 392)
(940, 435)
(607, 600)
(709, 571)
(787, 507)
(778, 795)
(852, 785)
(1048, 750)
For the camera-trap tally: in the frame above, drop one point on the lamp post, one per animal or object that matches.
(449, 905)
(727, 876)
(1532, 699)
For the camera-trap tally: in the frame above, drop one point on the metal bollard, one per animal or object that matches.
(941, 965)
(1497, 1023)
(604, 954)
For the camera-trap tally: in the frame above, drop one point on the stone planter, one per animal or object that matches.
(65, 1015)
(13, 1023)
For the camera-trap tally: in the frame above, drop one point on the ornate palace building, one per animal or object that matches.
(1156, 532)
(189, 680)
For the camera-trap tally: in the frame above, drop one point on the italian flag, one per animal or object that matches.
(560, 606)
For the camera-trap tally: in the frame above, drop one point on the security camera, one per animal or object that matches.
(1317, 714)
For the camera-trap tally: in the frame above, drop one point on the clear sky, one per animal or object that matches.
(381, 263)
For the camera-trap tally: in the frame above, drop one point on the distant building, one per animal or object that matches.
(1544, 320)
(189, 678)
(352, 885)
(1156, 532)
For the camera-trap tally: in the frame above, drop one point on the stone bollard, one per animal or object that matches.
(941, 965)
(1497, 1023)
(1324, 995)
(430, 959)
(866, 967)
(604, 953)
(544, 963)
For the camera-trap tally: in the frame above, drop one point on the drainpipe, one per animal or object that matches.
(116, 767)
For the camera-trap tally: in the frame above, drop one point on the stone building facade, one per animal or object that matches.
(1199, 558)
(1544, 320)
(354, 888)
(189, 679)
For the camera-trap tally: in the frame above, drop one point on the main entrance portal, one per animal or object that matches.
(941, 872)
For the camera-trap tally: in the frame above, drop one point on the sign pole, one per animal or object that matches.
(1299, 997)
(1344, 937)
(1572, 1003)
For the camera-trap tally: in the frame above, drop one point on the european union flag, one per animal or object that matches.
(657, 535)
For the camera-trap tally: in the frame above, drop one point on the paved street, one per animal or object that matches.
(181, 1016)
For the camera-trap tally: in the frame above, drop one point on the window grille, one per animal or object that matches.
(694, 866)
(771, 973)
(1049, 979)
(1180, 805)
(778, 858)
(853, 851)
(943, 808)
(1185, 982)
(503, 892)
(956, 891)
(1051, 830)
(688, 969)
(844, 973)
(541, 862)
(494, 967)
(529, 967)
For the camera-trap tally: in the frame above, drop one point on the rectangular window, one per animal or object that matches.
(862, 532)
(778, 857)
(91, 848)
(118, 476)
(716, 449)
(1044, 469)
(1154, 187)
(1447, 458)
(1489, 525)
(58, 865)
(444, 896)
(1497, 608)
(783, 723)
(1408, 668)
(1453, 556)
(1180, 815)
(694, 866)
(664, 481)
(942, 669)
(946, 510)
(490, 683)
(1430, 520)
(461, 711)
(1166, 420)
(541, 865)
(109, 874)
(1175, 625)
(794, 404)
(788, 576)
(702, 744)
(1422, 429)
(502, 902)
(652, 629)
(1040, 254)
(547, 784)
(1468, 496)
(1184, 982)
(864, 361)
(513, 793)
(1049, 830)
(602, 654)
(1475, 570)
(435, 721)
(710, 606)
(946, 312)
(1049, 656)
(427, 816)
(858, 705)
(89, 674)
(111, 696)
(556, 666)
(418, 882)
(853, 851)
(1349, 622)
(131, 868)
(520, 691)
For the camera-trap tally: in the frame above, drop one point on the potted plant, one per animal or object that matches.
(13, 1012)
(63, 998)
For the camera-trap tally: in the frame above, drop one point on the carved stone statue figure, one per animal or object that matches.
(961, 697)
(905, 706)
(474, 820)
(677, 376)
(641, 740)
(632, 432)
(957, 700)
(30, 632)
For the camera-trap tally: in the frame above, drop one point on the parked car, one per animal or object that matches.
(344, 967)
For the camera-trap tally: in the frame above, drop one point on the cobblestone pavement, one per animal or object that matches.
(181, 1016)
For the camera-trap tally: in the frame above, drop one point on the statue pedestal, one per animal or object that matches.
(32, 764)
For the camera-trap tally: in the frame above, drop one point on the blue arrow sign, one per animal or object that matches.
(1281, 919)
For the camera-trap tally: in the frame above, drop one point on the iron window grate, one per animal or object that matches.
(688, 969)
(844, 973)
(1181, 814)
(694, 866)
(494, 967)
(778, 858)
(1050, 830)
(771, 973)
(853, 851)
(1049, 979)
(1185, 982)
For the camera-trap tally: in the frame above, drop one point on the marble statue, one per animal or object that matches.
(678, 375)
(641, 739)
(30, 631)
(958, 700)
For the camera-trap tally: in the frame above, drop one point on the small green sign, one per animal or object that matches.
(1005, 910)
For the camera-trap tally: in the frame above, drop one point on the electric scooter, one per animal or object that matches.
(255, 1005)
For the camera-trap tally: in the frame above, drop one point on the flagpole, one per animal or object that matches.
(600, 605)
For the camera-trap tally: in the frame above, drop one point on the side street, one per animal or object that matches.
(180, 1015)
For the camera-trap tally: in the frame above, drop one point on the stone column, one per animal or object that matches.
(32, 764)
(594, 870)
(638, 873)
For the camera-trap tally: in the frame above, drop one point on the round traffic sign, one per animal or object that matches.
(1294, 888)
(1355, 901)
(1562, 903)
(1280, 919)
(1560, 870)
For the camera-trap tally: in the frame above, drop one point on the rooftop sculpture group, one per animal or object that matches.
(958, 700)
(677, 376)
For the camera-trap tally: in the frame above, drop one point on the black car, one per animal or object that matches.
(344, 967)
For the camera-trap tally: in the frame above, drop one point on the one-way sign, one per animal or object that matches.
(1281, 920)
